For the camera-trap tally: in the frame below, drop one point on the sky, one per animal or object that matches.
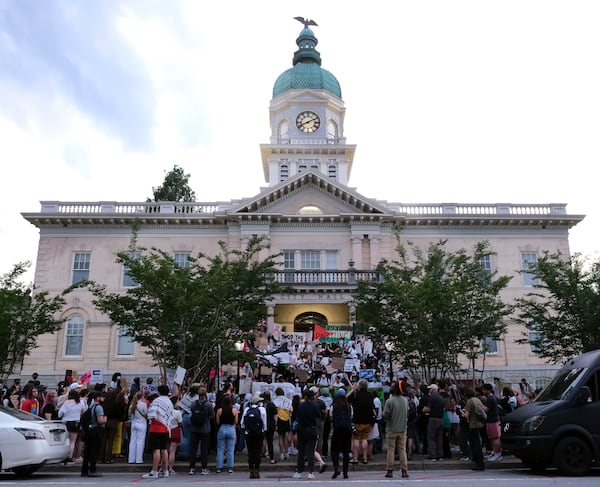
(447, 101)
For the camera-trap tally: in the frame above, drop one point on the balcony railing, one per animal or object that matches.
(347, 278)
(201, 208)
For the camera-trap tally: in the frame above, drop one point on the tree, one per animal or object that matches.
(24, 315)
(562, 314)
(435, 308)
(181, 313)
(175, 187)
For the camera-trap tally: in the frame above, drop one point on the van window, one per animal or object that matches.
(561, 386)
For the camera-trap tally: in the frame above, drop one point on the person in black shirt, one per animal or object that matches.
(309, 414)
(435, 424)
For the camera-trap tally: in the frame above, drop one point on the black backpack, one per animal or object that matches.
(199, 416)
(85, 423)
(253, 423)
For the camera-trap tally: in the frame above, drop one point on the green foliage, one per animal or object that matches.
(436, 307)
(563, 312)
(175, 187)
(180, 314)
(24, 315)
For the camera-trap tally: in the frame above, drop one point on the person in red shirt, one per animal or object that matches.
(31, 403)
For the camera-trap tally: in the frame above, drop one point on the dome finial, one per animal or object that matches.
(306, 22)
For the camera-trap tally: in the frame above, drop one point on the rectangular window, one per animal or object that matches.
(289, 258)
(331, 259)
(124, 341)
(129, 281)
(310, 259)
(533, 335)
(528, 261)
(81, 267)
(489, 345)
(182, 259)
(74, 336)
(486, 262)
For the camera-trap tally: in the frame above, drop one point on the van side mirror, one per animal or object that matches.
(584, 395)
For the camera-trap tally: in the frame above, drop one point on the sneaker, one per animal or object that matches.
(465, 459)
(297, 475)
(205, 471)
(163, 474)
(281, 456)
(78, 460)
(192, 471)
(496, 457)
(153, 474)
(218, 470)
(310, 476)
(230, 470)
(322, 467)
(171, 472)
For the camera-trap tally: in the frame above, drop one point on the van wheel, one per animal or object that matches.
(572, 456)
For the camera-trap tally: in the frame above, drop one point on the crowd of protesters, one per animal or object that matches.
(337, 415)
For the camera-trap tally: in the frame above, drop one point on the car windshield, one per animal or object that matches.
(22, 415)
(561, 386)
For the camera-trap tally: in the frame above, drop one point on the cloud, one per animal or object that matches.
(55, 54)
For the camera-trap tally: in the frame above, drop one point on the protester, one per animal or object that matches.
(70, 413)
(395, 413)
(94, 436)
(200, 433)
(160, 414)
(341, 438)
(309, 415)
(226, 419)
(138, 414)
(254, 424)
(475, 426)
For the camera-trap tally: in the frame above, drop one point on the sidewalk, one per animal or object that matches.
(418, 463)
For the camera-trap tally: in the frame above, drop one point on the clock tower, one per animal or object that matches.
(307, 120)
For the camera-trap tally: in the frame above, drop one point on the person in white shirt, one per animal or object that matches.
(70, 414)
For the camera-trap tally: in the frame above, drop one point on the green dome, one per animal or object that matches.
(307, 72)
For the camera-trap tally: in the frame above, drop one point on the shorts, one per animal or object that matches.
(72, 426)
(283, 426)
(158, 441)
(492, 430)
(176, 435)
(362, 432)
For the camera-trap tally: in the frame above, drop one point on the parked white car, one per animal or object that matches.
(28, 442)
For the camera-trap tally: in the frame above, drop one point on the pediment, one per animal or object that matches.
(310, 193)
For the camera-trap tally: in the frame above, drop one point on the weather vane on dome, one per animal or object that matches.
(306, 22)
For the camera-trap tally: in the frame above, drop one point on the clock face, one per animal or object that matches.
(308, 122)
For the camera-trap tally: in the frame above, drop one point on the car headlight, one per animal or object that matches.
(31, 434)
(532, 423)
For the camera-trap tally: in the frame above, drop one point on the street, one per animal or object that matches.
(512, 476)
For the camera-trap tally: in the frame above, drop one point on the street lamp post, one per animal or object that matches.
(239, 347)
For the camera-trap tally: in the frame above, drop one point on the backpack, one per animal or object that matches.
(253, 423)
(199, 416)
(85, 423)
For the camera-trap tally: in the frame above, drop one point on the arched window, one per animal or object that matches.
(332, 130)
(283, 130)
(307, 321)
(74, 329)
